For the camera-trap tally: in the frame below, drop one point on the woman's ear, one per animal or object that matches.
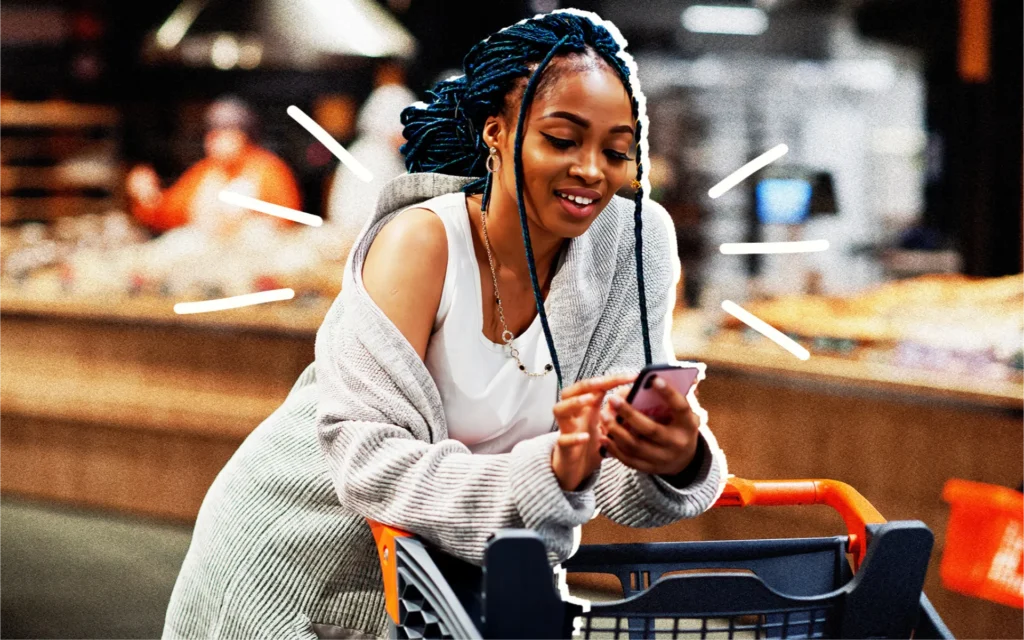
(495, 132)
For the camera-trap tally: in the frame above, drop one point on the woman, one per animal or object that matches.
(431, 401)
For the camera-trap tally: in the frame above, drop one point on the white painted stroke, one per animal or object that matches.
(269, 208)
(234, 302)
(326, 139)
(765, 329)
(746, 170)
(747, 248)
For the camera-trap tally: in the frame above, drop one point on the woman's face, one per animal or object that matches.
(576, 150)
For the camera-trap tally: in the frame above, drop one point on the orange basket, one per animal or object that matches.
(984, 552)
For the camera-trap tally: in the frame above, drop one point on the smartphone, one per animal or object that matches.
(682, 377)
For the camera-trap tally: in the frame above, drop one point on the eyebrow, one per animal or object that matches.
(572, 117)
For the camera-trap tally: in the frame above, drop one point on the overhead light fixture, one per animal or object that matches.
(224, 51)
(741, 21)
(250, 54)
(282, 34)
(343, 27)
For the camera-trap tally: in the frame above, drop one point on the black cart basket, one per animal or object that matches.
(866, 584)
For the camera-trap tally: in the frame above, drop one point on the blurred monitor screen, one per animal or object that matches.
(783, 200)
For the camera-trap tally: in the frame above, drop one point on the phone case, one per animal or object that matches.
(648, 401)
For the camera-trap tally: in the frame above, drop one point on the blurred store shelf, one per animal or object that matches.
(57, 114)
(58, 159)
(738, 352)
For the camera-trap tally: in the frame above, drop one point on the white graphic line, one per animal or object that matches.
(746, 248)
(310, 125)
(765, 329)
(233, 302)
(269, 208)
(744, 172)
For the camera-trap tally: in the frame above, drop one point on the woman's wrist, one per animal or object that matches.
(689, 474)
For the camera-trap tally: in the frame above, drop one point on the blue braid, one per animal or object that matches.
(638, 252)
(486, 201)
(531, 87)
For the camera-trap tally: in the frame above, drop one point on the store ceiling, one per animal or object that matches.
(284, 34)
(790, 28)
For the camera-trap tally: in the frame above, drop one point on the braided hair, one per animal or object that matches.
(444, 136)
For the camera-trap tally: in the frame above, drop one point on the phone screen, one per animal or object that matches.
(648, 401)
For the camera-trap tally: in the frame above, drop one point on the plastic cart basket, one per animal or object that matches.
(788, 588)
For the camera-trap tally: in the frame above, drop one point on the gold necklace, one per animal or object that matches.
(506, 335)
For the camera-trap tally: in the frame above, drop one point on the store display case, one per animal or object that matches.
(863, 411)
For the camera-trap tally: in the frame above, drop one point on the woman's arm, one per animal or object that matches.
(624, 494)
(387, 462)
(404, 273)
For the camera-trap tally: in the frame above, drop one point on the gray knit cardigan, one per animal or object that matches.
(281, 543)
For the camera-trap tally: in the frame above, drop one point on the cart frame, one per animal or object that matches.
(778, 588)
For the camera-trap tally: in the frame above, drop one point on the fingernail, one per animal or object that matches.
(615, 401)
(658, 383)
(603, 451)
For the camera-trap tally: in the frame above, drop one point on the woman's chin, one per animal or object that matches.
(570, 227)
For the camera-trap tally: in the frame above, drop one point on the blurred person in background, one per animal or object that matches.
(352, 200)
(233, 162)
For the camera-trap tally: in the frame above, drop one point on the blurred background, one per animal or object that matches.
(120, 122)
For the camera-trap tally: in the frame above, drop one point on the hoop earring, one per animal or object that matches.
(492, 157)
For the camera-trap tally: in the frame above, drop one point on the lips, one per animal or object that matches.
(576, 205)
(579, 194)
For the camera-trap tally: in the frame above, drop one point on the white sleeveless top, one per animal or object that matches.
(489, 404)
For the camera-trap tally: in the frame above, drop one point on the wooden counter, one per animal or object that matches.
(125, 405)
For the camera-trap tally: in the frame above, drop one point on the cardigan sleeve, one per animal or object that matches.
(389, 464)
(623, 494)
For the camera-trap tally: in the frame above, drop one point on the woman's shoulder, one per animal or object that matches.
(404, 272)
(652, 210)
(416, 233)
(657, 223)
(411, 189)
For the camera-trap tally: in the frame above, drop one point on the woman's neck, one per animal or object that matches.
(506, 236)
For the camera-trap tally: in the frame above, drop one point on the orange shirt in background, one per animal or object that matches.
(266, 175)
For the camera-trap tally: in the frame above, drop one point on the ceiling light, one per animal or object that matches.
(744, 21)
(224, 51)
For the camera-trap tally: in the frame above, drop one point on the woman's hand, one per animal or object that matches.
(658, 446)
(577, 455)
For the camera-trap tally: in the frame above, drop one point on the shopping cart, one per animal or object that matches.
(866, 584)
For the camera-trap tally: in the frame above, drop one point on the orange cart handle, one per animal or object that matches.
(854, 508)
(385, 537)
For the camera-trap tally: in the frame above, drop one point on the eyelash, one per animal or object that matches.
(563, 144)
